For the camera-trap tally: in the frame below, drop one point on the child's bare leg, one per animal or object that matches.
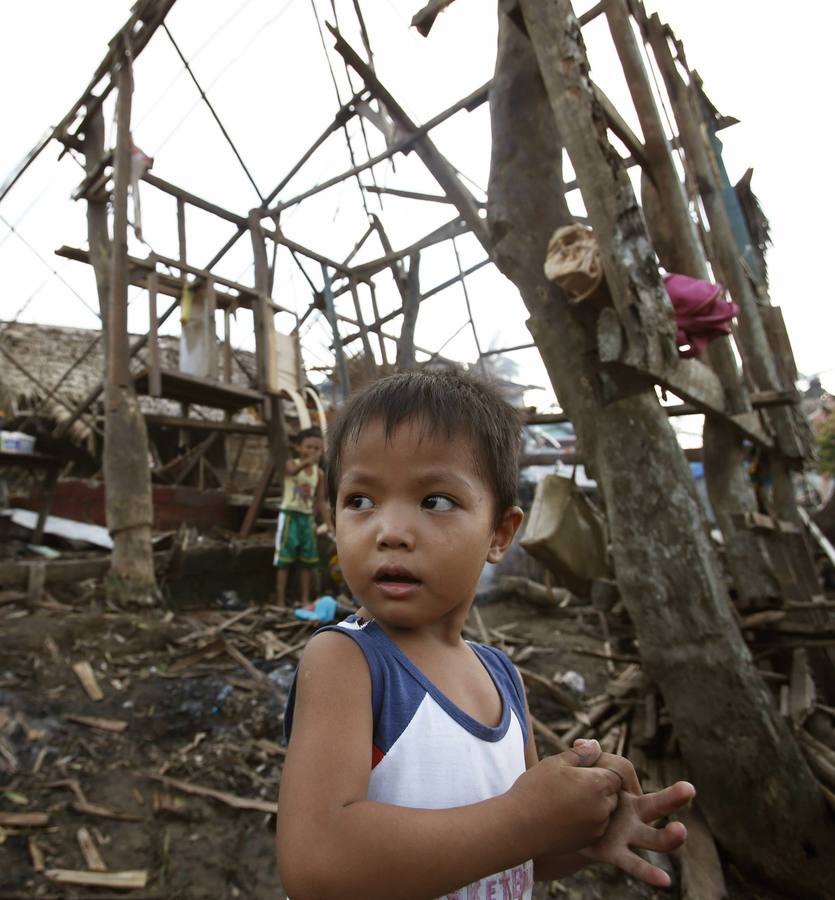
(281, 586)
(304, 579)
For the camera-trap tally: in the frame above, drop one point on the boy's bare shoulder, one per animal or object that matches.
(332, 652)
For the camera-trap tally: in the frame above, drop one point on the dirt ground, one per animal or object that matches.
(201, 695)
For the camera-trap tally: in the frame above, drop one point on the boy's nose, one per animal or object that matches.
(395, 533)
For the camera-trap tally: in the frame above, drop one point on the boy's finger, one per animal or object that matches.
(661, 803)
(622, 767)
(583, 753)
(662, 840)
(633, 865)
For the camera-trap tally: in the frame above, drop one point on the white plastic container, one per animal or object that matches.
(16, 442)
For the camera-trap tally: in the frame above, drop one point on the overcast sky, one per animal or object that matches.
(263, 66)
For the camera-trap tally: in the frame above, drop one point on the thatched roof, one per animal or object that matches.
(49, 369)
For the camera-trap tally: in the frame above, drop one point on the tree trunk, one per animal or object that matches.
(759, 796)
(127, 477)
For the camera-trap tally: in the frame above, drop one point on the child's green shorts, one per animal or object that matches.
(295, 540)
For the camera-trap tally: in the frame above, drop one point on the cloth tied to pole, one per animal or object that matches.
(702, 312)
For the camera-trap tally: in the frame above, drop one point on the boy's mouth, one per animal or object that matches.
(396, 581)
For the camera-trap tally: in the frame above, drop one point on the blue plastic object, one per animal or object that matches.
(323, 610)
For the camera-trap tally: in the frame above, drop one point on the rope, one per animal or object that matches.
(155, 105)
(339, 101)
(256, 35)
(214, 114)
(55, 272)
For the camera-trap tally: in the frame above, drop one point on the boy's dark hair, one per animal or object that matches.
(314, 432)
(446, 401)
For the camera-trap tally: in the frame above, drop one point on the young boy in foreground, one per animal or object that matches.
(411, 770)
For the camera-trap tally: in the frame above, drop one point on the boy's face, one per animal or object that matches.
(415, 523)
(311, 448)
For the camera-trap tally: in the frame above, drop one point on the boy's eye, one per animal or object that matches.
(358, 502)
(439, 503)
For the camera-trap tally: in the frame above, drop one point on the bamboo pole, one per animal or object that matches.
(753, 342)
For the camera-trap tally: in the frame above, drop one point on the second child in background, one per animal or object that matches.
(302, 497)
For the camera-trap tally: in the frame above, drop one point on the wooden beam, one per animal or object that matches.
(168, 284)
(751, 337)
(345, 113)
(118, 373)
(241, 221)
(411, 306)
(225, 425)
(434, 161)
(415, 195)
(682, 250)
(444, 233)
(370, 364)
(146, 16)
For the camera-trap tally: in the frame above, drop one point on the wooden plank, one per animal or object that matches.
(176, 385)
(131, 879)
(169, 284)
(24, 819)
(115, 726)
(801, 688)
(205, 424)
(198, 790)
(85, 674)
(90, 851)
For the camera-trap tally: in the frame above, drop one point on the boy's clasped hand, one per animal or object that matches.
(603, 813)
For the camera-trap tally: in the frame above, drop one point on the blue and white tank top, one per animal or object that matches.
(428, 753)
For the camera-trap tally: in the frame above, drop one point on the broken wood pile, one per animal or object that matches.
(116, 729)
(125, 738)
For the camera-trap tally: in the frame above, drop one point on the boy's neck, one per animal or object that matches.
(445, 633)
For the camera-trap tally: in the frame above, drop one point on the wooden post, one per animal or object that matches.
(411, 307)
(370, 364)
(643, 308)
(154, 375)
(211, 329)
(227, 346)
(752, 339)
(339, 353)
(129, 505)
(680, 250)
(181, 229)
(118, 374)
(265, 346)
(262, 313)
(380, 338)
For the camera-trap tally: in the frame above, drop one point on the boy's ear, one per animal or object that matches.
(503, 533)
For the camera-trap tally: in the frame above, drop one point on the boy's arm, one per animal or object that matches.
(322, 505)
(333, 842)
(294, 466)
